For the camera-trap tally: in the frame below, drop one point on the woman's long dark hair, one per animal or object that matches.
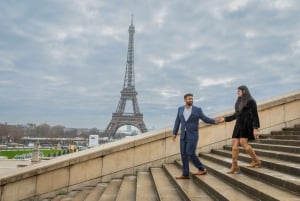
(242, 101)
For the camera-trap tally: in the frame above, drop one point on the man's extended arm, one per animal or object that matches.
(207, 119)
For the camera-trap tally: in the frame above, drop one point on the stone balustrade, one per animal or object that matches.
(127, 156)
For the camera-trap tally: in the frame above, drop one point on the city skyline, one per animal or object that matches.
(63, 62)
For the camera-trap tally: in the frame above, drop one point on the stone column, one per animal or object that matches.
(36, 153)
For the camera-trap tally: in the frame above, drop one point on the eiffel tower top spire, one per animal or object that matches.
(131, 19)
(129, 81)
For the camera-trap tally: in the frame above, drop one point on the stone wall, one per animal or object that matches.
(113, 160)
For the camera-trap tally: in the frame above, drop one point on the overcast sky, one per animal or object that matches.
(63, 61)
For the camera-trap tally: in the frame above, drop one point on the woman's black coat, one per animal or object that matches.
(246, 121)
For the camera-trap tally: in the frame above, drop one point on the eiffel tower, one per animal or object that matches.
(128, 93)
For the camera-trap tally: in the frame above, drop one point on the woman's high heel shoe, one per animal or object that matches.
(234, 168)
(255, 161)
(254, 164)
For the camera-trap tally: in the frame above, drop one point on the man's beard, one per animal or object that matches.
(189, 103)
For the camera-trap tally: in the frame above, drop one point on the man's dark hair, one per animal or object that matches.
(188, 94)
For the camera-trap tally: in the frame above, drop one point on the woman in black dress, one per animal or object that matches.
(246, 127)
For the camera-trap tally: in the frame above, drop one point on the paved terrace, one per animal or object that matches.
(8, 165)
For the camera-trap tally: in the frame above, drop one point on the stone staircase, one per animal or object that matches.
(277, 179)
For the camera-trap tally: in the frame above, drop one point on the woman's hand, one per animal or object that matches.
(255, 133)
(221, 120)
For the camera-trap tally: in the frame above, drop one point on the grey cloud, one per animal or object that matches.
(63, 62)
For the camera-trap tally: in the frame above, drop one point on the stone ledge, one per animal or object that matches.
(279, 101)
(78, 157)
(149, 137)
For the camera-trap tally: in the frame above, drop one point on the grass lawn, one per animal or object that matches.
(11, 153)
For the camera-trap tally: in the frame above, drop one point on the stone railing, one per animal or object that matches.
(127, 156)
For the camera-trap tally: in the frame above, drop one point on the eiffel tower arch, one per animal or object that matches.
(128, 93)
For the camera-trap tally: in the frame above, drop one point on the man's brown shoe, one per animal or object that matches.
(200, 172)
(182, 177)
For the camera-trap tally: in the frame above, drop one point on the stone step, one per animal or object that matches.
(286, 137)
(127, 190)
(111, 191)
(78, 194)
(86, 193)
(217, 188)
(279, 142)
(271, 147)
(264, 136)
(189, 189)
(65, 197)
(271, 163)
(291, 129)
(96, 193)
(145, 190)
(285, 133)
(57, 198)
(81, 195)
(282, 180)
(272, 154)
(260, 189)
(295, 128)
(165, 189)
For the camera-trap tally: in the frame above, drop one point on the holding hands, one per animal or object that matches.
(220, 120)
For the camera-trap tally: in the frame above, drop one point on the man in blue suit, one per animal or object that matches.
(188, 117)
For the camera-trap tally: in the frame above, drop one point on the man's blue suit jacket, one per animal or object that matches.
(190, 128)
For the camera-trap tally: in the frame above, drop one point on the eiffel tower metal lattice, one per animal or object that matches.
(128, 93)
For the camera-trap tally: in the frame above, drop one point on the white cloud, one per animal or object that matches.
(217, 12)
(296, 47)
(194, 45)
(89, 8)
(199, 99)
(206, 82)
(158, 62)
(167, 93)
(111, 31)
(159, 16)
(177, 56)
(281, 4)
(6, 82)
(249, 34)
(237, 5)
(6, 64)
(55, 81)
